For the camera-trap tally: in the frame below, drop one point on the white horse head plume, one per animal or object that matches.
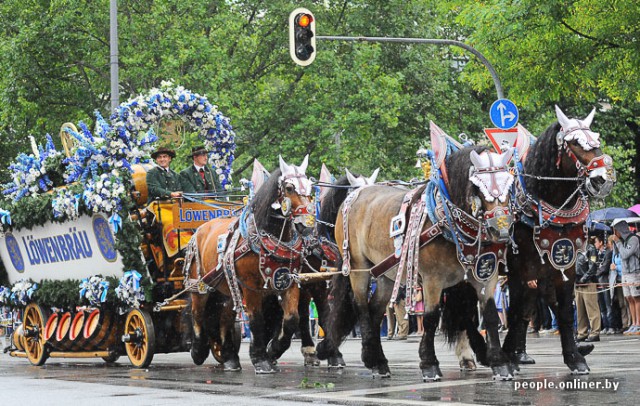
(491, 175)
(359, 181)
(578, 130)
(295, 175)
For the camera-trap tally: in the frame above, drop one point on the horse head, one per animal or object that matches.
(294, 197)
(582, 154)
(361, 180)
(491, 176)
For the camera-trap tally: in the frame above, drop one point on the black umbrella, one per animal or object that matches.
(608, 214)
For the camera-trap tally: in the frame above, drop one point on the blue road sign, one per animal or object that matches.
(504, 114)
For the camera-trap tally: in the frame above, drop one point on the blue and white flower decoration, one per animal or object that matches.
(139, 114)
(129, 290)
(29, 173)
(104, 193)
(94, 289)
(22, 292)
(5, 295)
(66, 204)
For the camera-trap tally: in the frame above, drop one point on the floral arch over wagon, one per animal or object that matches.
(48, 187)
(169, 102)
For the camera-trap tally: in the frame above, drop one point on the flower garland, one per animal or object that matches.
(141, 113)
(129, 290)
(94, 289)
(66, 204)
(22, 292)
(5, 295)
(29, 172)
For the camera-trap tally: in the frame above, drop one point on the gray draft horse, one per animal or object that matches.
(439, 262)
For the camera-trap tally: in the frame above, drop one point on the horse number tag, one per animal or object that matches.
(486, 266)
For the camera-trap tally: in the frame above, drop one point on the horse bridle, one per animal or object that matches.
(303, 214)
(599, 166)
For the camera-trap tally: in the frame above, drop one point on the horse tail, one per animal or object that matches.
(339, 316)
(459, 311)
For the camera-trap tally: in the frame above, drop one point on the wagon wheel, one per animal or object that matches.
(216, 350)
(34, 343)
(139, 338)
(216, 347)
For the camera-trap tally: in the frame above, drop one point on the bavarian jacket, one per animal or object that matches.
(192, 182)
(629, 249)
(161, 183)
(587, 265)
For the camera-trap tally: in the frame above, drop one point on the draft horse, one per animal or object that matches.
(466, 201)
(562, 169)
(254, 257)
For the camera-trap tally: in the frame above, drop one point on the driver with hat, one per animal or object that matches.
(199, 177)
(163, 183)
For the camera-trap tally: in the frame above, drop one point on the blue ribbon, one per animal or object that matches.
(116, 222)
(5, 216)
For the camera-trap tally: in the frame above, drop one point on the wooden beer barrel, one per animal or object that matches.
(75, 332)
(50, 326)
(139, 175)
(99, 330)
(61, 339)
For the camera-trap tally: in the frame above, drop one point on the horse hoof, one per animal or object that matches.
(311, 360)
(232, 365)
(199, 357)
(381, 372)
(431, 373)
(585, 348)
(264, 368)
(468, 365)
(502, 373)
(523, 358)
(336, 362)
(579, 368)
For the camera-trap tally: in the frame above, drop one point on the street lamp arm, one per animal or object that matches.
(448, 42)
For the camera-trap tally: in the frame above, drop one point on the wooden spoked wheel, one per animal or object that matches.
(139, 338)
(34, 343)
(216, 350)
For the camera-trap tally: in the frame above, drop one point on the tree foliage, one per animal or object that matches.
(359, 105)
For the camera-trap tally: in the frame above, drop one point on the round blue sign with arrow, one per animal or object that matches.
(504, 114)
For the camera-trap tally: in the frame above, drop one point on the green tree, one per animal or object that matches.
(578, 54)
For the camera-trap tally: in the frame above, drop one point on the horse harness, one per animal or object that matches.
(418, 205)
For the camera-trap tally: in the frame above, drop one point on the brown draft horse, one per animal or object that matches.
(370, 215)
(562, 169)
(321, 250)
(254, 257)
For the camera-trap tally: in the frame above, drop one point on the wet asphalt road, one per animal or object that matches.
(172, 379)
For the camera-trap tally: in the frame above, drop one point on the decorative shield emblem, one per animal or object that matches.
(14, 252)
(282, 279)
(563, 253)
(486, 266)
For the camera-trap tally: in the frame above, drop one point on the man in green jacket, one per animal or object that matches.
(162, 182)
(199, 177)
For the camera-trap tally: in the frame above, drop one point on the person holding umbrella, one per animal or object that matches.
(628, 246)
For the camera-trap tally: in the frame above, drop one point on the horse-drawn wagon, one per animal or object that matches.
(95, 268)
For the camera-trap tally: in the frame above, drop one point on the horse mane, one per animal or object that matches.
(460, 188)
(261, 203)
(541, 161)
(331, 205)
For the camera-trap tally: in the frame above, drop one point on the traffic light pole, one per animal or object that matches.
(447, 42)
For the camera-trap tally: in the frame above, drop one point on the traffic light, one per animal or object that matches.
(302, 36)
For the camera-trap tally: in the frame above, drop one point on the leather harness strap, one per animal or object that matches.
(389, 262)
